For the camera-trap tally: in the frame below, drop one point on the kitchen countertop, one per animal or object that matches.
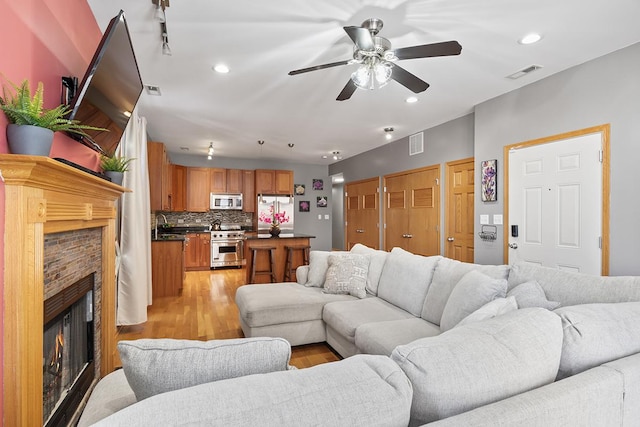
(168, 237)
(254, 236)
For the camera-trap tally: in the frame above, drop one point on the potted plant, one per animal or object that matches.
(114, 166)
(31, 126)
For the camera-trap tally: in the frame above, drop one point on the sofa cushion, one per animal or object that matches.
(405, 279)
(530, 294)
(318, 264)
(277, 303)
(447, 274)
(480, 363)
(383, 337)
(154, 366)
(575, 288)
(597, 333)
(472, 292)
(363, 390)
(346, 316)
(377, 259)
(347, 274)
(497, 307)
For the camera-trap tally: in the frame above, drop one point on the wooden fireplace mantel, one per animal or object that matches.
(43, 196)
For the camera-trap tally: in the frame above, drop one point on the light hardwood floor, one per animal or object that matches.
(206, 310)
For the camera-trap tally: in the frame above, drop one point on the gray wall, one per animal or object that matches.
(605, 90)
(337, 223)
(305, 222)
(444, 143)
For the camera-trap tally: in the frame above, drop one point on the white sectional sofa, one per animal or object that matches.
(426, 340)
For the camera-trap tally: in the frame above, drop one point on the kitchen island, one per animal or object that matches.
(265, 240)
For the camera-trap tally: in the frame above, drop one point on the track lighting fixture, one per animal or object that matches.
(336, 155)
(210, 152)
(159, 13)
(166, 50)
(388, 133)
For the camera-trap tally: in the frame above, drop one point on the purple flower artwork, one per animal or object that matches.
(489, 184)
(304, 206)
(318, 184)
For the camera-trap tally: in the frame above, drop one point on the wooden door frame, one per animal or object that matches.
(605, 131)
(447, 193)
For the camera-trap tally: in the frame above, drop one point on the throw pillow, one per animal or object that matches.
(531, 294)
(154, 366)
(347, 274)
(490, 310)
(318, 264)
(376, 263)
(472, 292)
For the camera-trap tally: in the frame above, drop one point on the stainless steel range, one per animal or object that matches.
(227, 246)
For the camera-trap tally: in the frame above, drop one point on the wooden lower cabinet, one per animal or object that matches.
(198, 251)
(167, 268)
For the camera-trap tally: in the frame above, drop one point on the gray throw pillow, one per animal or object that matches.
(531, 294)
(318, 264)
(154, 366)
(347, 274)
(472, 292)
(495, 308)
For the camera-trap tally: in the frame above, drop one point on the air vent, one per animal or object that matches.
(524, 72)
(416, 143)
(153, 90)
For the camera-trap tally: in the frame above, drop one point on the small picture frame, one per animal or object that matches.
(304, 206)
(298, 189)
(318, 184)
(489, 176)
(321, 201)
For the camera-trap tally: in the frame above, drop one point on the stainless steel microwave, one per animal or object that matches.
(226, 201)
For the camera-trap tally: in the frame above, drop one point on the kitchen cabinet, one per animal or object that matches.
(235, 179)
(159, 177)
(178, 197)
(218, 177)
(198, 189)
(248, 191)
(167, 268)
(198, 251)
(269, 181)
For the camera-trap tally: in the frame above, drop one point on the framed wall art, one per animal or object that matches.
(304, 206)
(318, 184)
(489, 184)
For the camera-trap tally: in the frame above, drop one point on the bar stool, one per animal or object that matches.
(288, 265)
(272, 269)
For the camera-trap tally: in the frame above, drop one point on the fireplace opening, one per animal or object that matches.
(68, 346)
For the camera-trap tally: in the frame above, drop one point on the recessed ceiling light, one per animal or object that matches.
(530, 38)
(221, 68)
(411, 100)
(127, 113)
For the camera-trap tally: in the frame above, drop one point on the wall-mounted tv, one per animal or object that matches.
(109, 89)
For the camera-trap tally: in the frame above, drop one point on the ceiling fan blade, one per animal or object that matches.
(318, 67)
(361, 37)
(347, 91)
(408, 80)
(429, 50)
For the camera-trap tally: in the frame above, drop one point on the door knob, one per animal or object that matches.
(513, 245)
(450, 239)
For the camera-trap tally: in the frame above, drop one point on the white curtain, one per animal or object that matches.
(134, 271)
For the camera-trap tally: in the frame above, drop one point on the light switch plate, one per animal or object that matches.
(484, 219)
(319, 216)
(326, 217)
(497, 219)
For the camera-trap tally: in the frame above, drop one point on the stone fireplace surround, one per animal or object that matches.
(44, 197)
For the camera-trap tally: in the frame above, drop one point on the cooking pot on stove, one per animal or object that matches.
(216, 225)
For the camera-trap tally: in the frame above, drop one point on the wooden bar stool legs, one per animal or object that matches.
(271, 271)
(289, 267)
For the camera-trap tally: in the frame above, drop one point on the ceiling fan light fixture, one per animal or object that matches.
(372, 73)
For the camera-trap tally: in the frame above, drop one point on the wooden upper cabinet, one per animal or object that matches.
(178, 188)
(218, 180)
(159, 177)
(248, 191)
(198, 189)
(274, 181)
(235, 180)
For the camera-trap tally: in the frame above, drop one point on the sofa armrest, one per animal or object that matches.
(111, 394)
(302, 274)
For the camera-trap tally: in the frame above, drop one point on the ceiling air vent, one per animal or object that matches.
(416, 143)
(524, 72)
(153, 90)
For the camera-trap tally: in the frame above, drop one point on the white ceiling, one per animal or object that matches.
(261, 41)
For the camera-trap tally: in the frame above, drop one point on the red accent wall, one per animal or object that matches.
(43, 40)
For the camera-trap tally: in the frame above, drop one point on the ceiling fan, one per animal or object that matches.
(377, 60)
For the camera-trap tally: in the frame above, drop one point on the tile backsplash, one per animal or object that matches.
(224, 216)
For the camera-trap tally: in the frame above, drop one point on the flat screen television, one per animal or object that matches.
(109, 89)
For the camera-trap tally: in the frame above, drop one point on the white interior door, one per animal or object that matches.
(555, 201)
